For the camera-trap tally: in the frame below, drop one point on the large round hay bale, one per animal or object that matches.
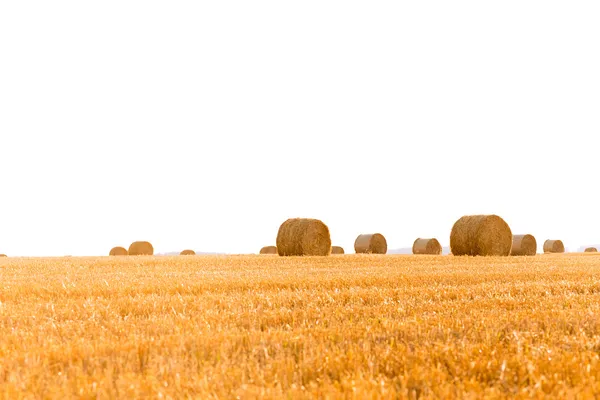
(480, 235)
(303, 237)
(427, 246)
(372, 243)
(523, 245)
(118, 251)
(141, 249)
(3, 255)
(591, 250)
(268, 250)
(187, 253)
(554, 246)
(337, 250)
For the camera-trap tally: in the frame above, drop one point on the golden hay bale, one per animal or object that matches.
(480, 235)
(187, 253)
(268, 250)
(3, 255)
(591, 250)
(554, 246)
(373, 243)
(337, 250)
(303, 237)
(427, 246)
(523, 245)
(118, 251)
(141, 249)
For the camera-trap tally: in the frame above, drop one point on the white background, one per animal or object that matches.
(205, 125)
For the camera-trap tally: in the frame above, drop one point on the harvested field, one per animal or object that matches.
(358, 326)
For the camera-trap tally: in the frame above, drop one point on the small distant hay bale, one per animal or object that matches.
(427, 246)
(523, 245)
(337, 250)
(591, 250)
(118, 251)
(371, 243)
(187, 253)
(554, 246)
(480, 235)
(3, 255)
(303, 237)
(268, 250)
(141, 249)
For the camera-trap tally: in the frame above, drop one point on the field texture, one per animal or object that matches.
(346, 326)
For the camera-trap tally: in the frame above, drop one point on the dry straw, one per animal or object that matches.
(372, 243)
(480, 235)
(118, 251)
(523, 245)
(141, 249)
(591, 250)
(269, 250)
(427, 246)
(337, 250)
(303, 237)
(554, 246)
(187, 253)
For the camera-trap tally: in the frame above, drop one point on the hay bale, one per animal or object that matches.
(480, 235)
(3, 255)
(141, 249)
(554, 246)
(303, 237)
(268, 250)
(427, 246)
(523, 245)
(118, 251)
(372, 243)
(337, 250)
(591, 250)
(187, 253)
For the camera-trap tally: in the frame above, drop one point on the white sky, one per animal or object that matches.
(204, 125)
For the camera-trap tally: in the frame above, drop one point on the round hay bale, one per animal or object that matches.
(141, 249)
(591, 250)
(118, 251)
(3, 255)
(187, 253)
(268, 250)
(303, 237)
(480, 235)
(372, 243)
(554, 246)
(427, 246)
(337, 250)
(523, 245)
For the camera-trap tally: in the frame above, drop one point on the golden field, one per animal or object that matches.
(349, 326)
